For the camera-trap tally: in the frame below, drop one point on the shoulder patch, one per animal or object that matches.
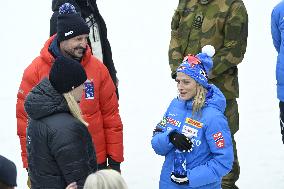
(219, 140)
(89, 90)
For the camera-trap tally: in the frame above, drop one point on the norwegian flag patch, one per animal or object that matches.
(219, 140)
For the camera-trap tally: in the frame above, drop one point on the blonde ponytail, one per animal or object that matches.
(74, 107)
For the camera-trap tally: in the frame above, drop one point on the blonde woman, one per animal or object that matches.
(105, 179)
(194, 135)
(60, 148)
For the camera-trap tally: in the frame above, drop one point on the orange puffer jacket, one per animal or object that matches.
(101, 113)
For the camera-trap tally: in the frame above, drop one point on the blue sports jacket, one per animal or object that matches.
(212, 154)
(277, 32)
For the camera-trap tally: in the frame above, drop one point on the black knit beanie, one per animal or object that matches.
(70, 23)
(8, 172)
(66, 74)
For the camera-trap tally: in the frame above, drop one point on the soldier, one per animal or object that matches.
(224, 25)
(277, 31)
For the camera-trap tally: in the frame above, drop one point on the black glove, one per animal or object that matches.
(179, 179)
(112, 164)
(281, 106)
(181, 142)
(157, 130)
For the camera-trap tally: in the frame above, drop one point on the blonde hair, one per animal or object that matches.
(105, 179)
(74, 107)
(199, 99)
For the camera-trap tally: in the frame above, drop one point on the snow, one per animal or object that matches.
(139, 33)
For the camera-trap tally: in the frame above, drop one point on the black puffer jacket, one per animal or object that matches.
(87, 7)
(60, 148)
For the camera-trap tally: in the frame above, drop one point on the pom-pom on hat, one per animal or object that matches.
(70, 23)
(8, 172)
(66, 74)
(198, 66)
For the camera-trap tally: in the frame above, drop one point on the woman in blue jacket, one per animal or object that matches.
(277, 31)
(194, 135)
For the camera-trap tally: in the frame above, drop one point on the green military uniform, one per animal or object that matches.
(224, 25)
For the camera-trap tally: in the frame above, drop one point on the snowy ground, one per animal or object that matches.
(139, 34)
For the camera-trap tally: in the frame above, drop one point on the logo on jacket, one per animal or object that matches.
(173, 122)
(163, 122)
(172, 114)
(89, 90)
(193, 123)
(195, 142)
(219, 140)
(68, 33)
(189, 131)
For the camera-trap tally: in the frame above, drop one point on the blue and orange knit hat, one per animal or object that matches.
(198, 66)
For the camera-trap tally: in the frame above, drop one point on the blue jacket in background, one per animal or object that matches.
(212, 155)
(277, 31)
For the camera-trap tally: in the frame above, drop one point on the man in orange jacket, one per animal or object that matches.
(99, 104)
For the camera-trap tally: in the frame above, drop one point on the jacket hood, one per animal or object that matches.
(214, 98)
(48, 57)
(43, 100)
